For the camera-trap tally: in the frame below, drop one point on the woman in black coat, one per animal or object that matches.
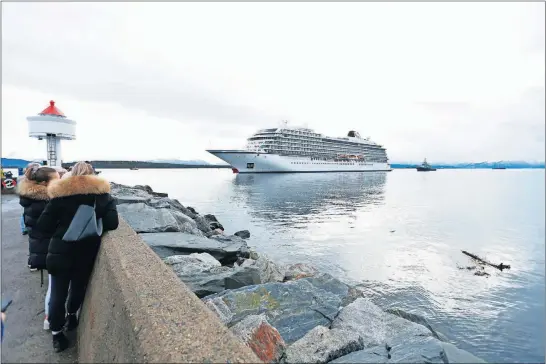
(33, 197)
(71, 263)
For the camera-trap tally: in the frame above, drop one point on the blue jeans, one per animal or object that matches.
(22, 222)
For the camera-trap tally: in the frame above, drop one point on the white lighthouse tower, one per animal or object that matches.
(53, 126)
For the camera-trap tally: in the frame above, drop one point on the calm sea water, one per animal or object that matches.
(399, 235)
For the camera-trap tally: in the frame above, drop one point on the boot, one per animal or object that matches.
(60, 342)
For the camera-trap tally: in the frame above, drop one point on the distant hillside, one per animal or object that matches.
(479, 165)
(145, 165)
(16, 163)
(178, 161)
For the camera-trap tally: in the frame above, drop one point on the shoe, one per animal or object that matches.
(33, 269)
(60, 342)
(25, 232)
(71, 321)
(46, 324)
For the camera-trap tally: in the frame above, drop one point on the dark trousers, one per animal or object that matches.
(77, 280)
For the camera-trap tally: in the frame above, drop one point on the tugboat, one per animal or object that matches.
(425, 167)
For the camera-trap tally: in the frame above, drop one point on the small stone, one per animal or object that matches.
(245, 234)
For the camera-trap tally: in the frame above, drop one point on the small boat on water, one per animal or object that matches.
(133, 169)
(425, 167)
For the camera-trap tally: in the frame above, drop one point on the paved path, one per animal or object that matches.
(25, 341)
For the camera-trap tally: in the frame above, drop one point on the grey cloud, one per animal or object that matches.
(100, 76)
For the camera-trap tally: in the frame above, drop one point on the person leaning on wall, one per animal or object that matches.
(70, 263)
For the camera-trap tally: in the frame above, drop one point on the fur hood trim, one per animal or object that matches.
(31, 189)
(78, 185)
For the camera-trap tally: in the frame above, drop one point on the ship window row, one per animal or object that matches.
(326, 150)
(325, 140)
(324, 145)
(313, 138)
(337, 163)
(319, 146)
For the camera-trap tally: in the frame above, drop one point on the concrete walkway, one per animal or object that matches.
(25, 341)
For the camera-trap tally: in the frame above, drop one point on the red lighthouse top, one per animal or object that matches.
(52, 110)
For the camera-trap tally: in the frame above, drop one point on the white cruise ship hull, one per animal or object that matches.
(252, 162)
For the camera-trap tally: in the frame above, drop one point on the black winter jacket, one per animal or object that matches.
(34, 198)
(66, 196)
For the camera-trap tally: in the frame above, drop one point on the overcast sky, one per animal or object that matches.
(446, 81)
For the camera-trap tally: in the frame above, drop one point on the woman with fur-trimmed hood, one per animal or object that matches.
(33, 197)
(71, 263)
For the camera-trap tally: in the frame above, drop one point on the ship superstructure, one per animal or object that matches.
(293, 149)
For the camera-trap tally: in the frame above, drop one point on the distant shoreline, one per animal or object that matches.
(146, 165)
(102, 164)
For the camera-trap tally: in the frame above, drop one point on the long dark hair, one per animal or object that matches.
(41, 174)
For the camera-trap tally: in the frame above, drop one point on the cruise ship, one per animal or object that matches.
(295, 149)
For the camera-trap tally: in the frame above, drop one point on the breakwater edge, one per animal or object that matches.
(290, 314)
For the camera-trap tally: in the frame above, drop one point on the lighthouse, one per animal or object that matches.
(53, 126)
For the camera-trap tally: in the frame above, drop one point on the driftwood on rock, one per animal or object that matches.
(498, 266)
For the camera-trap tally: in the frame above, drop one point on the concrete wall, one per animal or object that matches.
(137, 310)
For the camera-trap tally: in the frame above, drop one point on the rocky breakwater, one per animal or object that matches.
(285, 314)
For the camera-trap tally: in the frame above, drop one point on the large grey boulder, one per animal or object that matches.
(138, 190)
(417, 319)
(293, 308)
(375, 326)
(202, 224)
(409, 342)
(145, 195)
(202, 273)
(117, 190)
(424, 349)
(189, 264)
(242, 277)
(145, 219)
(166, 244)
(321, 345)
(269, 271)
